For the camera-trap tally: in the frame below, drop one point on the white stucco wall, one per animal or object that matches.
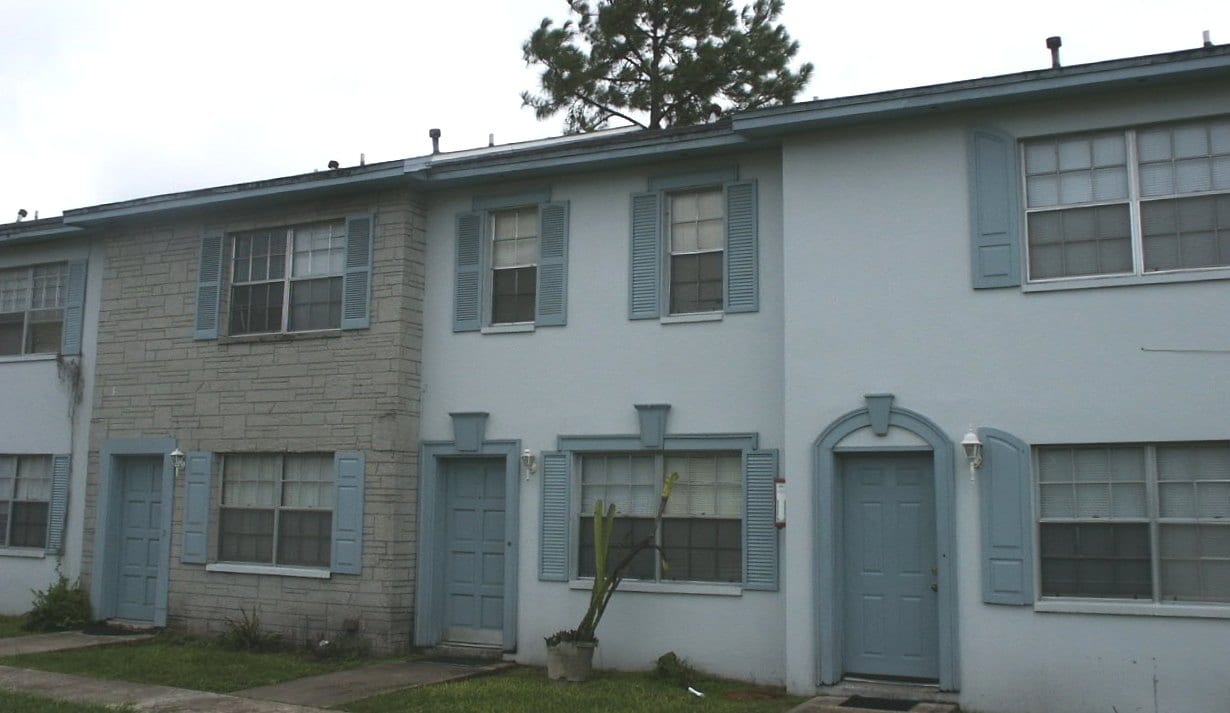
(35, 419)
(878, 298)
(583, 379)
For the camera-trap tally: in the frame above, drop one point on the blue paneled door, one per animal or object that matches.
(890, 620)
(140, 540)
(474, 561)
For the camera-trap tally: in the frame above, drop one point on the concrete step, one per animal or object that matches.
(866, 704)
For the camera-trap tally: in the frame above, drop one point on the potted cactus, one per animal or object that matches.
(570, 652)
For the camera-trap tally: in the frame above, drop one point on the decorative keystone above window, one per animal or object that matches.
(652, 419)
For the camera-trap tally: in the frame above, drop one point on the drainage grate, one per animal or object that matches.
(879, 704)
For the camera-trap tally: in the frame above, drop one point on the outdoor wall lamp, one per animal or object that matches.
(973, 451)
(178, 459)
(529, 462)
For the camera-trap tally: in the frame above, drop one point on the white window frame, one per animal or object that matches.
(658, 583)
(277, 509)
(1156, 605)
(62, 299)
(288, 277)
(489, 268)
(1133, 200)
(9, 499)
(668, 247)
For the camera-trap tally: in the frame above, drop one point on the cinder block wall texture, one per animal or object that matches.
(333, 391)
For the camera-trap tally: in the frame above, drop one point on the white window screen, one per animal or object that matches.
(33, 478)
(708, 486)
(1092, 482)
(630, 482)
(515, 238)
(319, 249)
(696, 222)
(251, 480)
(14, 290)
(309, 481)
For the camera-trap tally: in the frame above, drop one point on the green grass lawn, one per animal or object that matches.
(11, 626)
(22, 703)
(183, 662)
(527, 690)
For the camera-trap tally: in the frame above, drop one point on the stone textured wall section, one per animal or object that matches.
(323, 392)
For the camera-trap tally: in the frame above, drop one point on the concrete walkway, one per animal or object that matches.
(330, 689)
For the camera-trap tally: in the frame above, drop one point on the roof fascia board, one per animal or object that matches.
(946, 97)
(19, 236)
(471, 169)
(216, 196)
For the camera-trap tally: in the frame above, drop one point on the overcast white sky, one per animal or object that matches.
(107, 100)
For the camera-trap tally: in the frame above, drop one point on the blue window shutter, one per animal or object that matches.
(198, 471)
(742, 248)
(468, 280)
(759, 531)
(208, 287)
(995, 243)
(61, 471)
(74, 309)
(350, 468)
(646, 262)
(556, 517)
(357, 279)
(1006, 503)
(551, 304)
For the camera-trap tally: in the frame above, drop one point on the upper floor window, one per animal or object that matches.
(1131, 202)
(514, 264)
(25, 494)
(288, 279)
(697, 244)
(277, 509)
(32, 301)
(1148, 522)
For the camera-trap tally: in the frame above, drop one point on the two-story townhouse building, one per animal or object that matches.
(49, 296)
(840, 294)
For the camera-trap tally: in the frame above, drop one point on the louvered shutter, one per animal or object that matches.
(1006, 510)
(74, 309)
(198, 471)
(551, 305)
(759, 532)
(995, 243)
(349, 471)
(208, 287)
(468, 269)
(61, 474)
(742, 248)
(645, 281)
(556, 516)
(357, 279)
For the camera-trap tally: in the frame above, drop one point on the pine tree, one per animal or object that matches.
(659, 63)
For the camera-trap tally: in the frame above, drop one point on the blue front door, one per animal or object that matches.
(474, 561)
(891, 618)
(140, 540)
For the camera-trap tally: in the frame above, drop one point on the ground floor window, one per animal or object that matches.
(25, 493)
(701, 534)
(277, 509)
(1146, 521)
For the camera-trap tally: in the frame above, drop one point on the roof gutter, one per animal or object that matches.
(20, 234)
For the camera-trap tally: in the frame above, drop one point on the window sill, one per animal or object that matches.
(33, 553)
(279, 337)
(276, 571)
(695, 317)
(1128, 608)
(14, 358)
(703, 588)
(1150, 278)
(518, 328)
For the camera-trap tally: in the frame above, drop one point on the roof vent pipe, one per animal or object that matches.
(1208, 42)
(1053, 44)
(435, 140)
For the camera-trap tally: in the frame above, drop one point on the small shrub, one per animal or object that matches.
(676, 670)
(64, 605)
(246, 634)
(346, 646)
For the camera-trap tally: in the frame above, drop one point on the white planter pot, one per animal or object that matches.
(570, 661)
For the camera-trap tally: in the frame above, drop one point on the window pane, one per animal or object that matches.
(1080, 241)
(319, 249)
(1076, 170)
(1092, 482)
(15, 290)
(1195, 562)
(696, 283)
(29, 526)
(1096, 560)
(625, 533)
(33, 478)
(49, 286)
(308, 481)
(4, 523)
(256, 309)
(703, 550)
(245, 536)
(513, 295)
(251, 479)
(1186, 233)
(44, 330)
(709, 485)
(304, 538)
(315, 304)
(11, 326)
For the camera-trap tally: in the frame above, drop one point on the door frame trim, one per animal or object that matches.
(828, 582)
(429, 573)
(106, 527)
